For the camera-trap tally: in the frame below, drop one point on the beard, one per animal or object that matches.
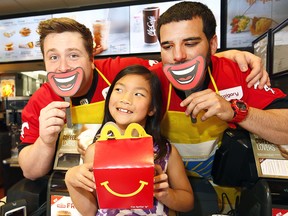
(201, 85)
(208, 59)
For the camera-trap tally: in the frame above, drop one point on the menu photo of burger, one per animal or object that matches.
(25, 31)
(9, 46)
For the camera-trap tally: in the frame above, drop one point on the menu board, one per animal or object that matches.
(248, 19)
(109, 27)
(261, 48)
(280, 47)
(119, 30)
(19, 40)
(139, 19)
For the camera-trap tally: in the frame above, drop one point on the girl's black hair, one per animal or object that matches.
(152, 126)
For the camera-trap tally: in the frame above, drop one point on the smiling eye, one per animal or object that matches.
(117, 89)
(139, 94)
(74, 56)
(53, 57)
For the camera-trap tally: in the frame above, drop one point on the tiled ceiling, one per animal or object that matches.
(11, 7)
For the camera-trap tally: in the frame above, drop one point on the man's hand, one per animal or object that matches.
(210, 102)
(97, 50)
(51, 121)
(283, 150)
(246, 59)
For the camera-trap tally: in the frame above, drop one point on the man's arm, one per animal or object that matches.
(36, 159)
(246, 59)
(271, 124)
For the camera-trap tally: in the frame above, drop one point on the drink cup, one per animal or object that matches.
(101, 30)
(150, 16)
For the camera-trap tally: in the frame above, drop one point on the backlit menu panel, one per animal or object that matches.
(119, 30)
(19, 40)
(109, 27)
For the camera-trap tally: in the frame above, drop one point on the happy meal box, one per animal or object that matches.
(124, 168)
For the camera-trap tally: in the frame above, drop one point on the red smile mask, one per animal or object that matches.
(188, 75)
(66, 84)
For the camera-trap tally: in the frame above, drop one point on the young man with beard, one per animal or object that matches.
(186, 32)
(210, 90)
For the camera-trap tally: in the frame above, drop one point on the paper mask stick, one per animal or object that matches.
(187, 76)
(66, 84)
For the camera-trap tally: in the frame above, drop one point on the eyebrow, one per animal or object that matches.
(50, 50)
(74, 49)
(185, 40)
(69, 50)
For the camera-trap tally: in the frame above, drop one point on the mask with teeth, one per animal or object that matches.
(66, 84)
(187, 76)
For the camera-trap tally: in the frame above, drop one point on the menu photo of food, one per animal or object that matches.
(9, 46)
(256, 25)
(8, 34)
(19, 40)
(26, 38)
(248, 20)
(28, 45)
(240, 23)
(25, 31)
(14, 43)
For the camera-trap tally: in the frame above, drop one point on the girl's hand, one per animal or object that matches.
(81, 176)
(161, 184)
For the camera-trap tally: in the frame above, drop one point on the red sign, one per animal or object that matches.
(279, 212)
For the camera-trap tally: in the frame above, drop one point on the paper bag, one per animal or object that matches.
(124, 168)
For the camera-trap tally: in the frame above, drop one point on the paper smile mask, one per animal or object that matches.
(188, 75)
(66, 84)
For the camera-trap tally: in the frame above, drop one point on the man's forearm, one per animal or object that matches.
(36, 160)
(271, 125)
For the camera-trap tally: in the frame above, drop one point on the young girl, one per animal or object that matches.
(135, 96)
